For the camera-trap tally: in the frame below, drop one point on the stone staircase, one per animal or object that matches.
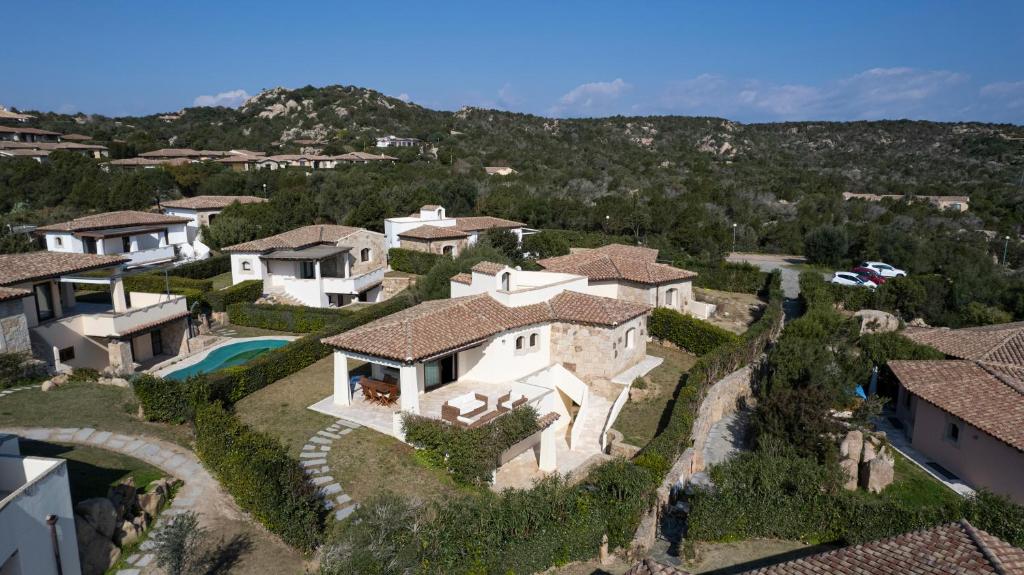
(279, 298)
(590, 422)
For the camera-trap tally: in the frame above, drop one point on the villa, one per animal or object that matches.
(506, 338)
(966, 414)
(40, 310)
(145, 238)
(318, 266)
(632, 273)
(396, 142)
(201, 210)
(431, 230)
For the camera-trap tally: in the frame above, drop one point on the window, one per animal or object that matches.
(66, 354)
(506, 281)
(307, 270)
(534, 340)
(630, 337)
(126, 244)
(520, 342)
(670, 297)
(448, 251)
(44, 301)
(440, 213)
(953, 432)
(90, 245)
(364, 255)
(59, 241)
(246, 266)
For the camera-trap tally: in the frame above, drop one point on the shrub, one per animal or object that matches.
(293, 318)
(826, 245)
(727, 276)
(545, 244)
(243, 292)
(258, 472)
(879, 348)
(470, 455)
(16, 368)
(156, 282)
(694, 335)
(84, 375)
(178, 545)
(168, 400)
(412, 261)
(203, 269)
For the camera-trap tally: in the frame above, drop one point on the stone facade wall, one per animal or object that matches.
(393, 285)
(174, 337)
(13, 327)
(594, 352)
(120, 354)
(722, 399)
(636, 293)
(433, 246)
(378, 251)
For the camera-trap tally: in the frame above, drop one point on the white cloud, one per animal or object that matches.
(590, 98)
(1009, 94)
(404, 97)
(229, 99)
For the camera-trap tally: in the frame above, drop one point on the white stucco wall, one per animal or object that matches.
(499, 361)
(239, 275)
(23, 527)
(67, 242)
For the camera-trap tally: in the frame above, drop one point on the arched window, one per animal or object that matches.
(520, 342)
(953, 432)
(449, 251)
(364, 255)
(506, 281)
(670, 297)
(60, 241)
(440, 213)
(246, 266)
(534, 340)
(630, 338)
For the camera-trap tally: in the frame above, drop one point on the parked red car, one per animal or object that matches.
(870, 274)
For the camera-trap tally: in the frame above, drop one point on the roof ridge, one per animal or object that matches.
(987, 367)
(990, 555)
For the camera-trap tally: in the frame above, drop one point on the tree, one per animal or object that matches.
(506, 242)
(826, 245)
(179, 544)
(545, 245)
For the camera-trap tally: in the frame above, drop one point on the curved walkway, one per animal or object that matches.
(200, 493)
(314, 460)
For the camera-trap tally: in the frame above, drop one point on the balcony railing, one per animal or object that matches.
(149, 309)
(152, 255)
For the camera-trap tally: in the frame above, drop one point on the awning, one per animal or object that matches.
(114, 232)
(315, 253)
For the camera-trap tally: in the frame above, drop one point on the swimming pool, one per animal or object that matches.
(228, 355)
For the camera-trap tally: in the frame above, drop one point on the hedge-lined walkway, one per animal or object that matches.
(200, 493)
(314, 460)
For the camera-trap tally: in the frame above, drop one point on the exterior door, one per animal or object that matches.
(157, 342)
(44, 301)
(431, 374)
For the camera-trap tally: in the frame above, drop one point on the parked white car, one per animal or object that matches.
(851, 279)
(883, 269)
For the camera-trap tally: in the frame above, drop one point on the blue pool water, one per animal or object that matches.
(228, 356)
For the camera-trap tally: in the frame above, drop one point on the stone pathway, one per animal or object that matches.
(200, 493)
(314, 460)
(11, 390)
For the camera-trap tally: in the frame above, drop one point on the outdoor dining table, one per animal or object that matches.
(384, 388)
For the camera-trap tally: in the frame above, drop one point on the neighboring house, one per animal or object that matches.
(318, 266)
(632, 273)
(145, 238)
(9, 116)
(37, 522)
(89, 150)
(955, 203)
(518, 337)
(363, 158)
(201, 210)
(499, 171)
(967, 414)
(396, 142)
(75, 138)
(13, 324)
(143, 163)
(19, 134)
(407, 232)
(185, 153)
(31, 153)
(116, 337)
(951, 549)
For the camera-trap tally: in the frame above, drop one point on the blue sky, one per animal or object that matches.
(748, 61)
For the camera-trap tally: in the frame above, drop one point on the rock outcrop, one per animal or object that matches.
(876, 321)
(866, 461)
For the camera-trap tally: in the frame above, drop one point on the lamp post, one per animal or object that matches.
(1006, 243)
(264, 190)
(734, 236)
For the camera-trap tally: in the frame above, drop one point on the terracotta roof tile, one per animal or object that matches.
(440, 326)
(175, 153)
(297, 238)
(462, 278)
(617, 262)
(112, 220)
(971, 391)
(999, 343)
(433, 233)
(488, 268)
(211, 202)
(953, 549)
(7, 293)
(147, 326)
(480, 223)
(18, 268)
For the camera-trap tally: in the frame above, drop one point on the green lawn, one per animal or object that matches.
(103, 407)
(915, 487)
(221, 281)
(92, 470)
(639, 420)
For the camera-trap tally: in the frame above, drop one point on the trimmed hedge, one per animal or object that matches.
(728, 276)
(243, 292)
(470, 455)
(412, 261)
(293, 318)
(694, 335)
(155, 282)
(203, 269)
(260, 475)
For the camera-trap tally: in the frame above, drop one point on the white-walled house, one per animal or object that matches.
(318, 266)
(202, 210)
(396, 142)
(132, 330)
(144, 238)
(515, 338)
(37, 523)
(632, 273)
(432, 230)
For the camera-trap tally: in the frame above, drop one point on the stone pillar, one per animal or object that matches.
(117, 295)
(342, 388)
(410, 386)
(174, 337)
(120, 354)
(547, 460)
